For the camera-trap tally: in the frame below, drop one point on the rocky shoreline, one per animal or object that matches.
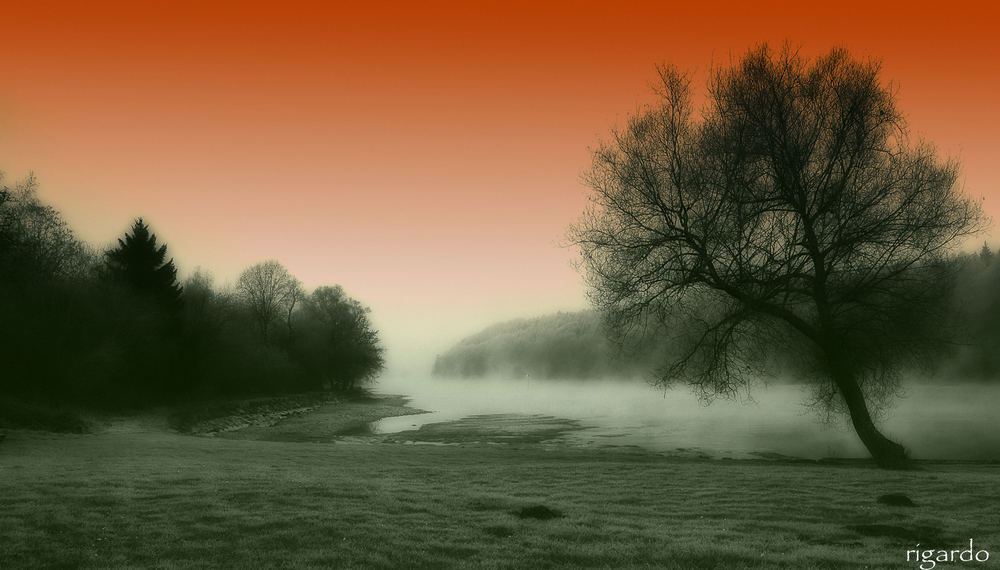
(226, 417)
(317, 417)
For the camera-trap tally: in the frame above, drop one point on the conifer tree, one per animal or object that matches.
(139, 263)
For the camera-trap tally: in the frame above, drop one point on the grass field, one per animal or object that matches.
(144, 496)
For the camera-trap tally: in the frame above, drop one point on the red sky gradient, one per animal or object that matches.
(424, 155)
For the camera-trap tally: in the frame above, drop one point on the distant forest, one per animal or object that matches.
(577, 344)
(564, 345)
(116, 329)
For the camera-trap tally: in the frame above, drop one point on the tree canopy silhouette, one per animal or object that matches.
(111, 331)
(141, 265)
(35, 242)
(270, 292)
(341, 347)
(792, 207)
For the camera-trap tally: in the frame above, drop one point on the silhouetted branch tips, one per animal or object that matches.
(270, 292)
(118, 330)
(794, 202)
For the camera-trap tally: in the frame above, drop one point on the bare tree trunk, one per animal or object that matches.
(288, 317)
(887, 453)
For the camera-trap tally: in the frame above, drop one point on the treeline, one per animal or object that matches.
(116, 329)
(577, 345)
(564, 345)
(976, 309)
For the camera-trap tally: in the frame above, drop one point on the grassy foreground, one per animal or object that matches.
(149, 497)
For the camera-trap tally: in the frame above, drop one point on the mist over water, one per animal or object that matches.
(933, 421)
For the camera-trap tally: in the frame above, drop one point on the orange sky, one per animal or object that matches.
(424, 155)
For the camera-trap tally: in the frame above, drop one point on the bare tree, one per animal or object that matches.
(270, 292)
(34, 239)
(296, 293)
(792, 207)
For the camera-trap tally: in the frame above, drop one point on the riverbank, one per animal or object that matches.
(256, 416)
(267, 418)
(148, 498)
(326, 422)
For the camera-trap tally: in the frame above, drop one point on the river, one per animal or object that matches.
(933, 421)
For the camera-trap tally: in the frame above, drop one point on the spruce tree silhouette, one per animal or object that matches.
(138, 263)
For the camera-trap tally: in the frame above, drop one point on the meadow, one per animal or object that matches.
(138, 494)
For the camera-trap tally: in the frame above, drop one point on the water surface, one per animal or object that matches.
(933, 421)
